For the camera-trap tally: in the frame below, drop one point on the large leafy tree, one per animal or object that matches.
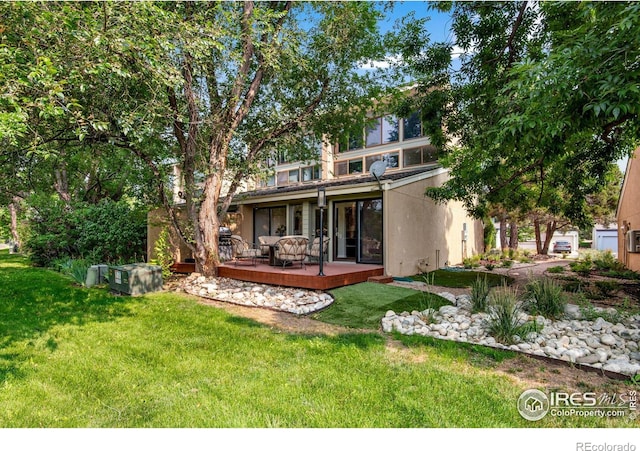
(213, 87)
(542, 99)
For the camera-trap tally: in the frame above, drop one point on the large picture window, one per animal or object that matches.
(384, 130)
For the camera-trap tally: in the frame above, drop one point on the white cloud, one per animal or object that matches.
(381, 64)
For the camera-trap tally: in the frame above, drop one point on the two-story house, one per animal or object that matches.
(380, 218)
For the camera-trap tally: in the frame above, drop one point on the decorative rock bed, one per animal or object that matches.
(599, 343)
(292, 300)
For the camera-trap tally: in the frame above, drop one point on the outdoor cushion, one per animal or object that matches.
(292, 248)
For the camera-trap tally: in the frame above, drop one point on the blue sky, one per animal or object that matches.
(438, 26)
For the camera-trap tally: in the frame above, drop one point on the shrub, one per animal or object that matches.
(606, 287)
(164, 257)
(471, 262)
(105, 232)
(490, 266)
(546, 298)
(582, 267)
(507, 263)
(479, 294)
(589, 313)
(505, 316)
(624, 274)
(78, 271)
(572, 286)
(75, 268)
(556, 269)
(607, 262)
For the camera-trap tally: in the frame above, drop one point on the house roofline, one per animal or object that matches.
(636, 153)
(360, 185)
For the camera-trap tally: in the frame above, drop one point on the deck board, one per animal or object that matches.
(336, 274)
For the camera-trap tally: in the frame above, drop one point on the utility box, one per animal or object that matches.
(135, 279)
(96, 275)
(633, 241)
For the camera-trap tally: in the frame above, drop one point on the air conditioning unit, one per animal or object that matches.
(134, 279)
(633, 241)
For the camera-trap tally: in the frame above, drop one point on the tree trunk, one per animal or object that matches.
(13, 211)
(207, 256)
(551, 229)
(536, 226)
(61, 185)
(503, 232)
(513, 235)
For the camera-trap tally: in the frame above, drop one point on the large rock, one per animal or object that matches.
(448, 296)
(448, 310)
(572, 311)
(607, 339)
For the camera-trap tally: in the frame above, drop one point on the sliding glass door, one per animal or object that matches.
(370, 231)
(358, 231)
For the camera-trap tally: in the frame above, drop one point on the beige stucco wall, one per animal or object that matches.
(419, 232)
(157, 220)
(629, 212)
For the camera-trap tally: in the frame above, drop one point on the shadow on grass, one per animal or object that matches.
(242, 321)
(34, 300)
(473, 353)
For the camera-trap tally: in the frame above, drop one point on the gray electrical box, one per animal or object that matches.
(96, 275)
(135, 279)
(633, 241)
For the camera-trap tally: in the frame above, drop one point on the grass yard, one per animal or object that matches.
(363, 305)
(72, 357)
(460, 279)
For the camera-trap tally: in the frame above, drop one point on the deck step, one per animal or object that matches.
(380, 279)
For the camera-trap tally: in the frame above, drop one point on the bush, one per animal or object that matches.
(479, 294)
(164, 257)
(582, 267)
(106, 232)
(79, 270)
(507, 263)
(556, 269)
(547, 298)
(471, 262)
(625, 274)
(607, 262)
(505, 316)
(489, 235)
(49, 235)
(606, 287)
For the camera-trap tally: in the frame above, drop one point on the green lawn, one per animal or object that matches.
(363, 305)
(71, 357)
(460, 279)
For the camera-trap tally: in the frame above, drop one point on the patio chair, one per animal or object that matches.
(292, 249)
(243, 250)
(313, 252)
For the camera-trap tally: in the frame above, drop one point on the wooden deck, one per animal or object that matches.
(336, 274)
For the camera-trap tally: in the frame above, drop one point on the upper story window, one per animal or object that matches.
(420, 155)
(412, 126)
(310, 173)
(385, 130)
(352, 142)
